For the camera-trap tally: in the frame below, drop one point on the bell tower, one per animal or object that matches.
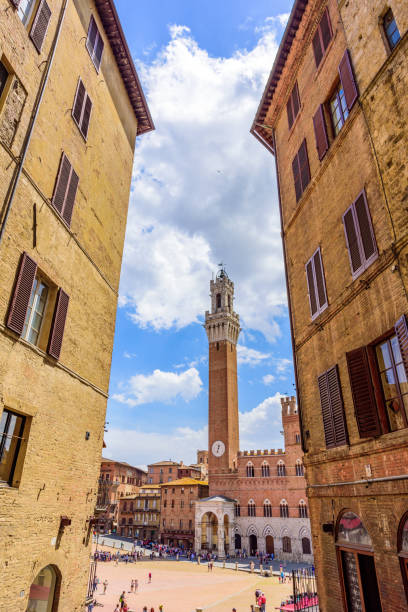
(222, 327)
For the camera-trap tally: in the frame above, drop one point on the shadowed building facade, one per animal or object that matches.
(71, 107)
(334, 115)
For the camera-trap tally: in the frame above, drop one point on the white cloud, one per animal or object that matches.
(260, 427)
(140, 447)
(203, 190)
(268, 379)
(282, 365)
(161, 387)
(248, 356)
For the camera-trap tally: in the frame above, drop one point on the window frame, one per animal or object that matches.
(343, 118)
(365, 262)
(319, 308)
(81, 118)
(318, 32)
(384, 31)
(20, 438)
(38, 282)
(97, 38)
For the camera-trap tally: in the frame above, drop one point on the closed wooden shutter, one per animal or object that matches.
(347, 80)
(304, 165)
(401, 329)
(98, 51)
(79, 102)
(352, 241)
(296, 177)
(317, 48)
(91, 38)
(61, 185)
(365, 227)
(70, 197)
(322, 141)
(331, 402)
(365, 406)
(58, 324)
(289, 111)
(295, 100)
(319, 276)
(40, 25)
(325, 29)
(311, 288)
(15, 3)
(86, 116)
(21, 295)
(65, 189)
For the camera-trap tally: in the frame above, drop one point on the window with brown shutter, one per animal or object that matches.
(347, 80)
(81, 110)
(331, 401)
(21, 295)
(316, 284)
(65, 189)
(58, 324)
(322, 142)
(365, 407)
(301, 170)
(322, 37)
(94, 43)
(293, 105)
(40, 25)
(360, 237)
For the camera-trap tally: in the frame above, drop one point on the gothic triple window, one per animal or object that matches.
(281, 468)
(250, 470)
(284, 509)
(302, 509)
(265, 470)
(299, 468)
(267, 508)
(251, 508)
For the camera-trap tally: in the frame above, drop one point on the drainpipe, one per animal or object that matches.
(289, 298)
(19, 168)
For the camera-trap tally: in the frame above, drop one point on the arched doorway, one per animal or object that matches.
(226, 535)
(209, 532)
(253, 544)
(269, 544)
(44, 591)
(238, 544)
(356, 564)
(403, 550)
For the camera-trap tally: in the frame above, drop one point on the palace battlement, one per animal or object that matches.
(289, 407)
(257, 453)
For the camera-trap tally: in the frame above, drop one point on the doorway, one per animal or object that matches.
(253, 544)
(237, 541)
(44, 591)
(270, 548)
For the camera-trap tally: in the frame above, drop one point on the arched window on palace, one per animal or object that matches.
(302, 509)
(250, 470)
(281, 468)
(267, 507)
(299, 467)
(356, 564)
(265, 470)
(251, 508)
(284, 509)
(237, 509)
(306, 548)
(403, 550)
(286, 545)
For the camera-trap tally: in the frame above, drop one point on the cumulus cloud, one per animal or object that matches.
(140, 447)
(249, 356)
(261, 426)
(268, 379)
(282, 365)
(161, 387)
(203, 190)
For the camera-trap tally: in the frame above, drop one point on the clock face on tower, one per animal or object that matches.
(218, 448)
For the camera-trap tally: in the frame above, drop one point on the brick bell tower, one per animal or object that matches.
(222, 327)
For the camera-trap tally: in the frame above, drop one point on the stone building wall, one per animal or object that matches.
(369, 153)
(64, 401)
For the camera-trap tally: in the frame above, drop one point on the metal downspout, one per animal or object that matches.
(34, 114)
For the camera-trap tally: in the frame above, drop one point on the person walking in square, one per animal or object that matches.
(136, 585)
(150, 577)
(105, 586)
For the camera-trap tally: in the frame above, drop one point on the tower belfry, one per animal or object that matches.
(222, 327)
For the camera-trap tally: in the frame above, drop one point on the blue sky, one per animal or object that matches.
(203, 191)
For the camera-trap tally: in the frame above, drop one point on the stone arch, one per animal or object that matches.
(284, 532)
(252, 530)
(47, 583)
(268, 530)
(304, 532)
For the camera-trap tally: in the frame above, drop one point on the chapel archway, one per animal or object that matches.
(44, 591)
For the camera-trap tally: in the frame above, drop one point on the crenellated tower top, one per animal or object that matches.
(222, 323)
